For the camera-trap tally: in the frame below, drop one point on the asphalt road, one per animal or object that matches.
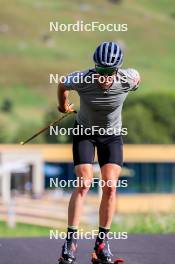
(137, 249)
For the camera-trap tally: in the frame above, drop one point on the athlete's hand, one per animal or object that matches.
(68, 108)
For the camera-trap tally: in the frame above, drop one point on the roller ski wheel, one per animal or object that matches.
(64, 261)
(95, 260)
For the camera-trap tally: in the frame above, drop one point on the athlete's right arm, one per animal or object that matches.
(63, 103)
(71, 82)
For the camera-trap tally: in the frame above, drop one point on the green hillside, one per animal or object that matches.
(29, 52)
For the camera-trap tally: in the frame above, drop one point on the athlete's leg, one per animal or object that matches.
(110, 156)
(110, 174)
(83, 154)
(84, 174)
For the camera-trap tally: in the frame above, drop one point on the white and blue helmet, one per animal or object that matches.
(108, 54)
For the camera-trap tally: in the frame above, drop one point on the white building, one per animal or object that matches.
(20, 169)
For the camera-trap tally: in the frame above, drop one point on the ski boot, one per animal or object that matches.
(68, 253)
(102, 254)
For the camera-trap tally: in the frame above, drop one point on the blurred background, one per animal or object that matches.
(29, 52)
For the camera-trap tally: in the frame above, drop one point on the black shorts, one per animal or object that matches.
(109, 149)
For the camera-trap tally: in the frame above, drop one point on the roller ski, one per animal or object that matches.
(102, 254)
(68, 253)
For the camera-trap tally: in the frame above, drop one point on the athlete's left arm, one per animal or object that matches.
(133, 78)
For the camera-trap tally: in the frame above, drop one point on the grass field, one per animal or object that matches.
(29, 52)
(145, 223)
(133, 224)
(28, 59)
(22, 230)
